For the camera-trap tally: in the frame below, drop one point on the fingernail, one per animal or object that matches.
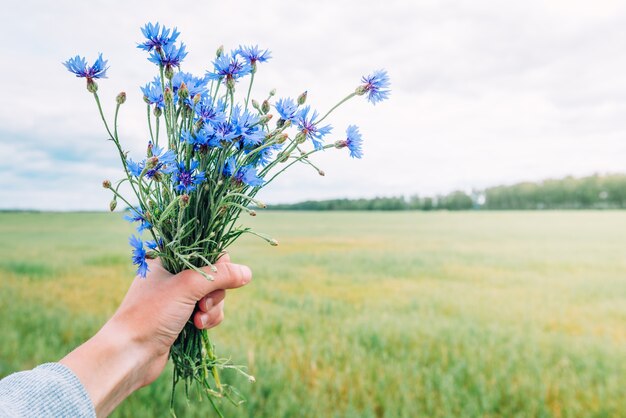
(208, 303)
(204, 320)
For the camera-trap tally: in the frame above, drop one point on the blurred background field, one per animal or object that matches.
(466, 314)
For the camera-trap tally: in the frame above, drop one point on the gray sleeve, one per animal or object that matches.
(50, 390)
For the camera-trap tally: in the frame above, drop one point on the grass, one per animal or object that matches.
(490, 314)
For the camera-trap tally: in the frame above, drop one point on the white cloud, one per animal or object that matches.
(483, 92)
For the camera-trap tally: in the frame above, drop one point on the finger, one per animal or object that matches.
(210, 319)
(212, 299)
(228, 276)
(224, 258)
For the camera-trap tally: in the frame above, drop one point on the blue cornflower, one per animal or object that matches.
(139, 256)
(78, 65)
(137, 215)
(229, 67)
(195, 85)
(229, 167)
(248, 175)
(135, 168)
(186, 180)
(157, 37)
(169, 57)
(206, 112)
(153, 93)
(153, 245)
(264, 157)
(247, 126)
(308, 127)
(201, 137)
(224, 132)
(376, 86)
(354, 141)
(162, 161)
(287, 109)
(252, 55)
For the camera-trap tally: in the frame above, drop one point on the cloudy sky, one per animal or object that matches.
(484, 92)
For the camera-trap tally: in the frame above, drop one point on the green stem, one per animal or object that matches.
(348, 97)
(250, 88)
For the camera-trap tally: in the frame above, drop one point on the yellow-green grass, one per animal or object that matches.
(490, 314)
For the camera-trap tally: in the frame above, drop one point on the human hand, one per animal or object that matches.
(132, 348)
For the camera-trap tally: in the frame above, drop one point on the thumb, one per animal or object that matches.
(228, 276)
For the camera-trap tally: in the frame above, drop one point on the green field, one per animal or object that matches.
(483, 314)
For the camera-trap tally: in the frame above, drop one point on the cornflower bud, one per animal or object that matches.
(149, 150)
(255, 105)
(169, 72)
(302, 98)
(282, 138)
(157, 112)
(196, 99)
(321, 172)
(184, 200)
(360, 91)
(168, 96)
(112, 205)
(273, 242)
(252, 212)
(106, 184)
(92, 87)
(121, 98)
(264, 119)
(300, 137)
(183, 91)
(265, 107)
(272, 92)
(220, 51)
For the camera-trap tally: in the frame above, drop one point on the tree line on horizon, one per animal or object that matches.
(591, 192)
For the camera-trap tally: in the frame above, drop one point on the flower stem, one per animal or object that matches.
(345, 99)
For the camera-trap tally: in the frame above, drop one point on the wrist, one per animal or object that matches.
(111, 365)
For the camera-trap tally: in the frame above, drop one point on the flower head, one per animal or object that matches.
(170, 56)
(208, 113)
(308, 127)
(137, 215)
(78, 65)
(229, 67)
(157, 37)
(194, 85)
(162, 161)
(376, 86)
(353, 141)
(248, 176)
(135, 168)
(186, 180)
(153, 93)
(287, 109)
(139, 256)
(252, 55)
(248, 127)
(224, 132)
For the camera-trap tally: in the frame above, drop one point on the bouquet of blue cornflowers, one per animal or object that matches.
(208, 155)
